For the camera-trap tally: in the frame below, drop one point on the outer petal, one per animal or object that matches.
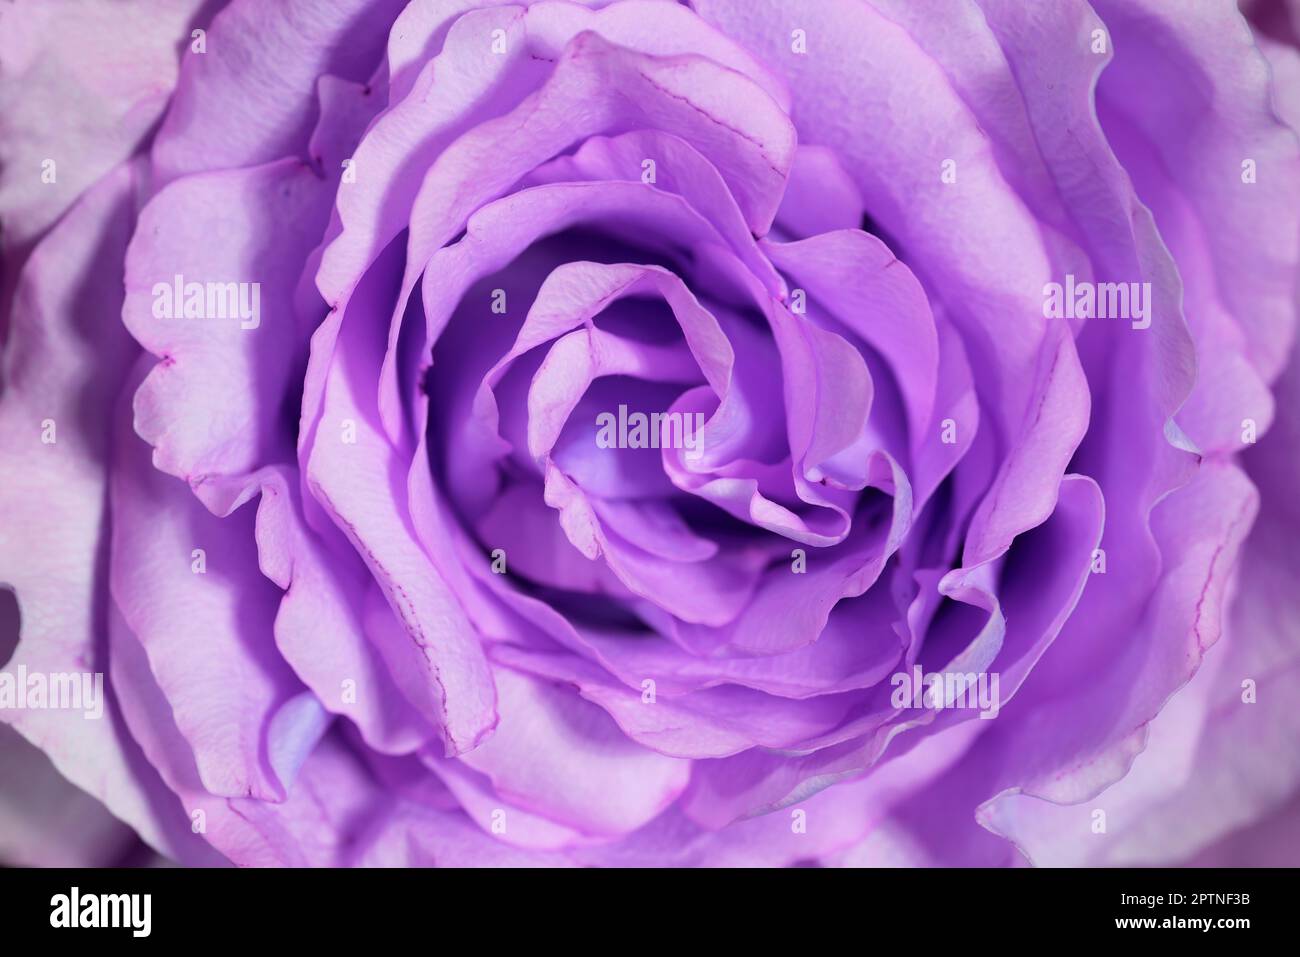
(81, 83)
(331, 803)
(213, 408)
(1204, 62)
(1220, 755)
(64, 364)
(189, 587)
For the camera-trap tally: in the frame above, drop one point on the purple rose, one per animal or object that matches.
(648, 433)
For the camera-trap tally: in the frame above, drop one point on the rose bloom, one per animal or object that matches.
(631, 432)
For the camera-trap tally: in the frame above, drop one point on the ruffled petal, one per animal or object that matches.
(250, 97)
(188, 586)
